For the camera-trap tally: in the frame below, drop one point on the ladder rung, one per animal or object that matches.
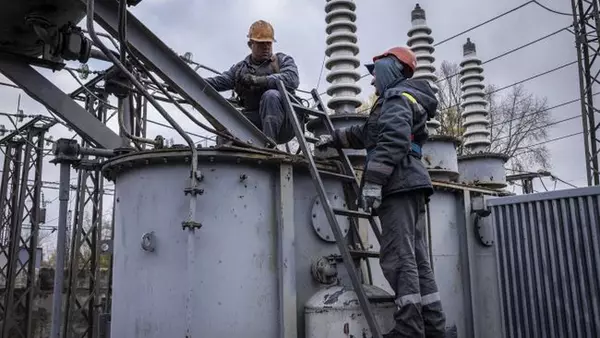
(336, 175)
(381, 299)
(309, 111)
(364, 254)
(351, 213)
(311, 139)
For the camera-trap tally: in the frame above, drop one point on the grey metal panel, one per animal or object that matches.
(42, 90)
(548, 263)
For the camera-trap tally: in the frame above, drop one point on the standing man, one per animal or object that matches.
(397, 185)
(254, 80)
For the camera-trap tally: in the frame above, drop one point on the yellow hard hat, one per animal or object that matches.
(261, 31)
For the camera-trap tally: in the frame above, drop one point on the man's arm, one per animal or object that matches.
(393, 139)
(225, 81)
(288, 73)
(351, 137)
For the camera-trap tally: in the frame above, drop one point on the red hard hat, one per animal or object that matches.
(404, 55)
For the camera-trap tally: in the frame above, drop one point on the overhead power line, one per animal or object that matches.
(533, 77)
(546, 142)
(550, 9)
(540, 111)
(546, 125)
(498, 57)
(485, 23)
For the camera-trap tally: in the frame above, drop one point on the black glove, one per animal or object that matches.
(252, 80)
(325, 141)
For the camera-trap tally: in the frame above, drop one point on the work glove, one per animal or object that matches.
(325, 141)
(371, 196)
(252, 80)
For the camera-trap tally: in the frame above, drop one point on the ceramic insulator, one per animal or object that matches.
(475, 115)
(342, 52)
(420, 42)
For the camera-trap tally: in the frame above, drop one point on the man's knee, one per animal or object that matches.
(271, 95)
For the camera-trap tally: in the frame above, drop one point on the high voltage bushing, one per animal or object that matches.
(420, 42)
(475, 115)
(439, 153)
(478, 165)
(342, 62)
(341, 52)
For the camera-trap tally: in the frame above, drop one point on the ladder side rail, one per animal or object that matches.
(331, 217)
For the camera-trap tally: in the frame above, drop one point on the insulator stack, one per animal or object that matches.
(421, 43)
(342, 51)
(475, 115)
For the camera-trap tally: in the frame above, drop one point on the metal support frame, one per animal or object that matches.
(45, 92)
(20, 204)
(288, 325)
(178, 75)
(66, 155)
(82, 301)
(586, 22)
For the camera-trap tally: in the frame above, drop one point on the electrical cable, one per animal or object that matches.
(543, 184)
(540, 111)
(547, 36)
(533, 77)
(539, 127)
(484, 23)
(550, 9)
(168, 126)
(89, 91)
(545, 142)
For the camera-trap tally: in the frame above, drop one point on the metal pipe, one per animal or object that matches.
(63, 197)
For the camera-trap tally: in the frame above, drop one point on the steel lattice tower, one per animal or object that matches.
(587, 32)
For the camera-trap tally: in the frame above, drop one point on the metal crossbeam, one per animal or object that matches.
(162, 60)
(586, 22)
(45, 92)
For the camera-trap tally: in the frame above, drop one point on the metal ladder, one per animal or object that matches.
(348, 177)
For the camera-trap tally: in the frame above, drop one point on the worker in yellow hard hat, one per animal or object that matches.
(254, 80)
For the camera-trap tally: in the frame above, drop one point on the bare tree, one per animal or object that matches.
(367, 104)
(519, 120)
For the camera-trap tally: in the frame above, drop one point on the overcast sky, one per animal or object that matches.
(215, 32)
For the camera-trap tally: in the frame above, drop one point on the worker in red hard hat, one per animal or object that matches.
(397, 186)
(254, 80)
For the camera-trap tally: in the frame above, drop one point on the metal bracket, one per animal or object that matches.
(191, 225)
(193, 191)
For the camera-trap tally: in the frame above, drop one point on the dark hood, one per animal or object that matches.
(422, 92)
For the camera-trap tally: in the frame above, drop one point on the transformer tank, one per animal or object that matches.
(234, 272)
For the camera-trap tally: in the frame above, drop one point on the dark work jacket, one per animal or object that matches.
(386, 135)
(280, 67)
